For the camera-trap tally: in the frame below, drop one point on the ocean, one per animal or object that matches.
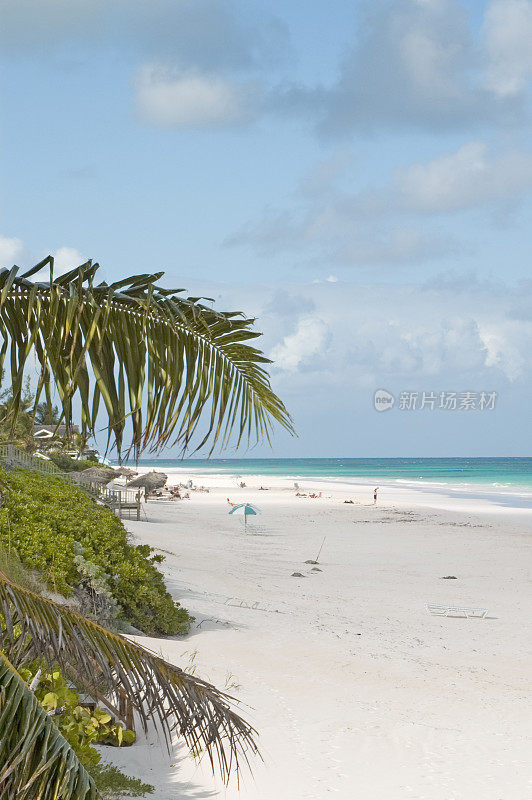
(479, 476)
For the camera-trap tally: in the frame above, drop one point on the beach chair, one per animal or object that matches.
(456, 611)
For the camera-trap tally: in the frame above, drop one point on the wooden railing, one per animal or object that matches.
(14, 456)
(119, 500)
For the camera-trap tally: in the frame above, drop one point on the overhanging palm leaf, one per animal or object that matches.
(110, 664)
(175, 355)
(37, 763)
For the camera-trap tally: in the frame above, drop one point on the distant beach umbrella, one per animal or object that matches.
(246, 510)
(125, 472)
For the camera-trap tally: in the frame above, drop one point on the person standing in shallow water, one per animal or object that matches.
(375, 495)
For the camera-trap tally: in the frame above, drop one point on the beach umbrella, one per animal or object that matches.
(246, 510)
(126, 472)
(151, 480)
(96, 475)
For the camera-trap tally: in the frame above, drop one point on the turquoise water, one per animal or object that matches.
(496, 475)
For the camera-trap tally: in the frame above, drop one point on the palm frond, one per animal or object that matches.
(164, 361)
(37, 763)
(113, 665)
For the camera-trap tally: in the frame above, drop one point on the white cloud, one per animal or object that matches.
(455, 333)
(460, 334)
(467, 178)
(301, 347)
(506, 346)
(337, 233)
(330, 225)
(414, 64)
(200, 34)
(508, 34)
(65, 259)
(420, 64)
(388, 224)
(400, 245)
(184, 99)
(10, 250)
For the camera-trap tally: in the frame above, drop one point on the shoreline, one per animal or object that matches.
(431, 492)
(354, 687)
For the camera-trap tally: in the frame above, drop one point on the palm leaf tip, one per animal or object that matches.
(114, 666)
(181, 363)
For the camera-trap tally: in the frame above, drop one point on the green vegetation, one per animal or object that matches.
(80, 548)
(113, 784)
(16, 426)
(11, 566)
(81, 726)
(47, 414)
(37, 762)
(68, 464)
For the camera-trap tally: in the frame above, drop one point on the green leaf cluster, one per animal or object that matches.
(80, 725)
(81, 548)
(83, 727)
(36, 762)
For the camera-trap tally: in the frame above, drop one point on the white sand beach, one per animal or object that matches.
(356, 690)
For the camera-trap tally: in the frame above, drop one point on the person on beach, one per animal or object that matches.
(375, 495)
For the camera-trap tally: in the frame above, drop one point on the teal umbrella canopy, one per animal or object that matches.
(246, 510)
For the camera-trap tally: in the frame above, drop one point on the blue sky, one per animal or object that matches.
(356, 174)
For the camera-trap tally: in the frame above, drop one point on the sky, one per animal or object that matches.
(357, 175)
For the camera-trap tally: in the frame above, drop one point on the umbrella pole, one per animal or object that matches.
(319, 551)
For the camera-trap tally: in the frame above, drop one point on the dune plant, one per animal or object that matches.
(82, 549)
(80, 725)
(36, 762)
